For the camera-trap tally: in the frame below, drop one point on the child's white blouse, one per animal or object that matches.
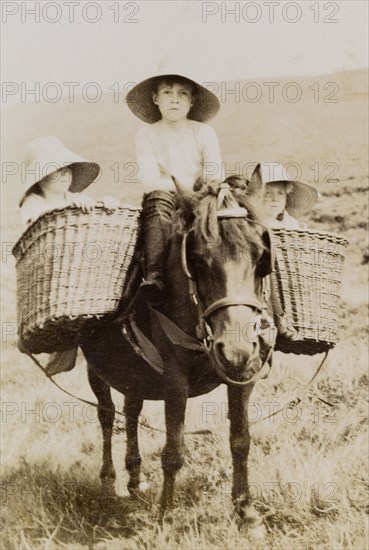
(188, 155)
(34, 205)
(286, 222)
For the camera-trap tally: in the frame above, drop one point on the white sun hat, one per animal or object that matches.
(47, 154)
(139, 99)
(301, 199)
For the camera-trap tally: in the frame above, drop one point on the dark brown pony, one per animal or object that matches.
(217, 257)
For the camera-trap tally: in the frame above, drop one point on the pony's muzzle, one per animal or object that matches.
(234, 357)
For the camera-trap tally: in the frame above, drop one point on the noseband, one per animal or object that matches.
(204, 330)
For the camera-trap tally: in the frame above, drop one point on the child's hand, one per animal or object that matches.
(83, 202)
(110, 203)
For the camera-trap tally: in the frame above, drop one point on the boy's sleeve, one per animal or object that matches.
(212, 160)
(149, 172)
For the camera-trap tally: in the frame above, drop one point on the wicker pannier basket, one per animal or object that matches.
(71, 268)
(307, 276)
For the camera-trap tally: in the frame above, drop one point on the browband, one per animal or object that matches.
(232, 213)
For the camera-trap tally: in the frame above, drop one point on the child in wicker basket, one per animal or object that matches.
(281, 201)
(176, 142)
(54, 179)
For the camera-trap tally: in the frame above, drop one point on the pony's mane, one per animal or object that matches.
(210, 232)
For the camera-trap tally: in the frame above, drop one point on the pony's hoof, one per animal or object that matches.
(108, 488)
(257, 533)
(165, 516)
(252, 523)
(144, 486)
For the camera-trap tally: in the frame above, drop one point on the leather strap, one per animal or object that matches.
(228, 302)
(144, 347)
(176, 334)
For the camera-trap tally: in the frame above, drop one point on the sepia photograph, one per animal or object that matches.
(184, 275)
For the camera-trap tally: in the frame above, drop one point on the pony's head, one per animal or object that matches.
(225, 255)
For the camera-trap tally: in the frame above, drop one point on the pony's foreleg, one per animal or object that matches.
(132, 409)
(172, 457)
(106, 418)
(240, 444)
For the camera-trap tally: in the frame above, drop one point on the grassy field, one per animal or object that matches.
(308, 467)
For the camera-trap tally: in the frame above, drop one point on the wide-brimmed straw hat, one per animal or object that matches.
(140, 101)
(301, 199)
(47, 154)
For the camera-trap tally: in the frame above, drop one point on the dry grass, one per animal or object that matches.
(308, 473)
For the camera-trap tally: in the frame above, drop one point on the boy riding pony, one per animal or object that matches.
(176, 142)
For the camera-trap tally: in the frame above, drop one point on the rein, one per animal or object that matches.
(147, 426)
(144, 424)
(292, 404)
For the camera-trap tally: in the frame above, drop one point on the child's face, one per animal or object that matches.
(57, 182)
(174, 101)
(274, 199)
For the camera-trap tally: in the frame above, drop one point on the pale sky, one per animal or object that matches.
(216, 44)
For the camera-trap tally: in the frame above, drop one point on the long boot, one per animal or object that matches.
(158, 210)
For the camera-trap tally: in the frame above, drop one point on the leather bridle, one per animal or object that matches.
(204, 330)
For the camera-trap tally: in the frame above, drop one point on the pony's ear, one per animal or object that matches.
(256, 182)
(185, 203)
(181, 189)
(199, 184)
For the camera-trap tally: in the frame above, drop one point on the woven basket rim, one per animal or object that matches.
(313, 232)
(56, 212)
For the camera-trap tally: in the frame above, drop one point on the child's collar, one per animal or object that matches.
(280, 216)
